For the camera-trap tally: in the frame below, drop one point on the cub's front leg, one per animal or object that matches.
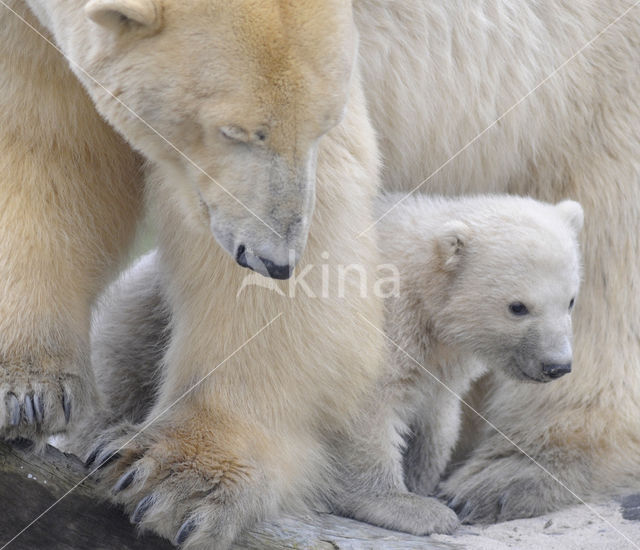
(370, 485)
(432, 437)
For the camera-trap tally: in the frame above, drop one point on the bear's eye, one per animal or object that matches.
(518, 308)
(573, 300)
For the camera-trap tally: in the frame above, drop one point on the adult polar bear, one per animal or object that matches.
(436, 75)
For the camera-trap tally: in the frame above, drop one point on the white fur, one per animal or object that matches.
(437, 74)
(462, 263)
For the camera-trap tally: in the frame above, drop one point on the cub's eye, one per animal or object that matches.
(573, 300)
(518, 308)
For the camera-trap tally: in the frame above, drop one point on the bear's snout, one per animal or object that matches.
(555, 370)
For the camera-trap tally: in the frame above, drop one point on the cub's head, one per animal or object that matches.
(232, 98)
(514, 275)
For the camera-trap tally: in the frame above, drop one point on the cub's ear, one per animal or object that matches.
(122, 14)
(451, 241)
(572, 213)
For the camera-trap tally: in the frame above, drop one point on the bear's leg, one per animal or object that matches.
(432, 437)
(500, 483)
(197, 477)
(129, 334)
(70, 199)
(369, 463)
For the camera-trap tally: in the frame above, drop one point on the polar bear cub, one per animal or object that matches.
(486, 283)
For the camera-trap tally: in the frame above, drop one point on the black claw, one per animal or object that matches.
(185, 531)
(66, 405)
(102, 462)
(38, 405)
(28, 409)
(142, 508)
(124, 482)
(187, 528)
(14, 409)
(92, 457)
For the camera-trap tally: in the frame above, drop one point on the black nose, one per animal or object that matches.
(274, 270)
(241, 256)
(554, 370)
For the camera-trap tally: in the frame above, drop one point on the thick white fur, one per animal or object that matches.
(436, 75)
(462, 262)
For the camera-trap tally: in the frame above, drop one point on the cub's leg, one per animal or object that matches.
(370, 474)
(70, 198)
(433, 435)
(129, 335)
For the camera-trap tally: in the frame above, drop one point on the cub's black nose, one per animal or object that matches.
(554, 370)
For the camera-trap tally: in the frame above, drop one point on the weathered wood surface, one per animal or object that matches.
(31, 484)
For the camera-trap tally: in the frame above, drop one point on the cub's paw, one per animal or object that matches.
(503, 489)
(178, 483)
(39, 400)
(408, 513)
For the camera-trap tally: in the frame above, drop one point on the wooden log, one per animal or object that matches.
(47, 503)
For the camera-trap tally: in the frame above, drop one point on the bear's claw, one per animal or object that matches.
(35, 405)
(92, 456)
(29, 413)
(13, 405)
(142, 508)
(66, 406)
(164, 488)
(125, 480)
(185, 531)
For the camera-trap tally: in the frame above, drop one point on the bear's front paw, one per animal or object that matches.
(489, 491)
(177, 483)
(39, 399)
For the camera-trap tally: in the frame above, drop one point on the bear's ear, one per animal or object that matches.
(123, 14)
(451, 241)
(573, 214)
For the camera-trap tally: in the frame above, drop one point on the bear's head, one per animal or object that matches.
(513, 278)
(231, 98)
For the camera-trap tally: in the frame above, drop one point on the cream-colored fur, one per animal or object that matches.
(259, 394)
(463, 264)
(71, 192)
(437, 74)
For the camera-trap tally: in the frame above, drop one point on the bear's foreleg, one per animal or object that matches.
(71, 194)
(196, 477)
